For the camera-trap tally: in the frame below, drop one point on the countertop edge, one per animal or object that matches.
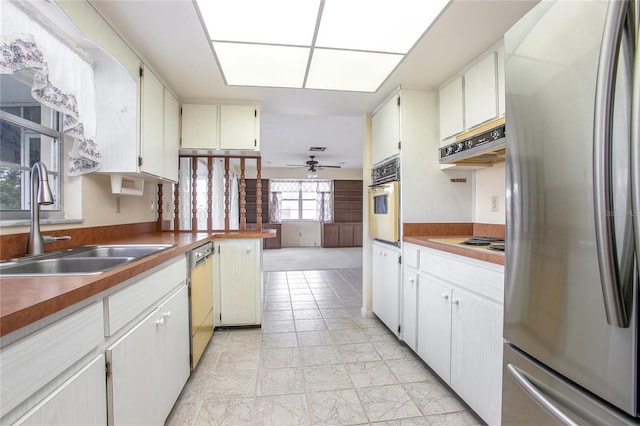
(22, 304)
(474, 253)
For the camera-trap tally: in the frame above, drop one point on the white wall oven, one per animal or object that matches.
(384, 202)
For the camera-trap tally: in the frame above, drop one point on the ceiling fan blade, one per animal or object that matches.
(328, 167)
(297, 165)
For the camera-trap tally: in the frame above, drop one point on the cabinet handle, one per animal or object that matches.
(455, 302)
(167, 314)
(248, 249)
(160, 322)
(412, 280)
(445, 296)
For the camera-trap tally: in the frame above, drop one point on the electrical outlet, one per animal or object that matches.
(495, 203)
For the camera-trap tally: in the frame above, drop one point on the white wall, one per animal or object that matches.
(489, 183)
(301, 234)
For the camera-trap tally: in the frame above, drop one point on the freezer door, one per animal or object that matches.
(554, 305)
(535, 395)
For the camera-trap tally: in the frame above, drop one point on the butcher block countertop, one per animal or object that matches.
(24, 300)
(452, 244)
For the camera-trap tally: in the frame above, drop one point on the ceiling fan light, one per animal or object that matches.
(312, 174)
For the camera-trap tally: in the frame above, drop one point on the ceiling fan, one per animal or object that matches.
(313, 166)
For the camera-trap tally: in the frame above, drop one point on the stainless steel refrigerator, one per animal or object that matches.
(573, 185)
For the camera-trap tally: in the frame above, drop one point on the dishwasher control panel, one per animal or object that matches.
(201, 253)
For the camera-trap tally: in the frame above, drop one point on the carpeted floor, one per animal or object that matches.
(311, 258)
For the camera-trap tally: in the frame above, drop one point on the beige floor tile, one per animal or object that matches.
(389, 402)
(282, 410)
(340, 407)
(280, 381)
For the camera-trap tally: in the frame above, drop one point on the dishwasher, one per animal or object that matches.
(200, 300)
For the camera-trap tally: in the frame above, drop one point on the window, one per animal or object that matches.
(300, 200)
(29, 132)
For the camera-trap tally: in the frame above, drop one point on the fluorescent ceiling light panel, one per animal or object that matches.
(290, 22)
(376, 25)
(355, 44)
(349, 70)
(262, 65)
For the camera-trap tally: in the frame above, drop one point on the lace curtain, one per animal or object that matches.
(62, 80)
(322, 188)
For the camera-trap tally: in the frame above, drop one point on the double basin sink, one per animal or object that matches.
(83, 260)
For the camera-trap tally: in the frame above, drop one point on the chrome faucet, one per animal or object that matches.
(40, 195)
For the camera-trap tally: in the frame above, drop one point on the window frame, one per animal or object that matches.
(57, 140)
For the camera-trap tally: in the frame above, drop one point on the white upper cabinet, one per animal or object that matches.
(239, 127)
(480, 92)
(199, 126)
(501, 84)
(474, 97)
(221, 127)
(451, 109)
(171, 135)
(385, 129)
(152, 124)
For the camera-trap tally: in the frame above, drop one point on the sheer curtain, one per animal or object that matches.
(62, 79)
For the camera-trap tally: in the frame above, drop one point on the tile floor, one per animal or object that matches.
(315, 361)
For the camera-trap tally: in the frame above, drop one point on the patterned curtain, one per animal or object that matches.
(274, 207)
(62, 80)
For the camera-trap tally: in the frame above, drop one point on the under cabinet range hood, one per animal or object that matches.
(477, 148)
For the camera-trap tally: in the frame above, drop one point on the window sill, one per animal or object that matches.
(27, 222)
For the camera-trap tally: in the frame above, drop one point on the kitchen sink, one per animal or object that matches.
(136, 251)
(83, 260)
(64, 266)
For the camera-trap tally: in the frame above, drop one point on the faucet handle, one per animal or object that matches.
(47, 239)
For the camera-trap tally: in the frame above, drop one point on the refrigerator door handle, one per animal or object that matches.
(538, 396)
(635, 135)
(602, 150)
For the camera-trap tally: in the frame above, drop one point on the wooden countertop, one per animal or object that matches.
(24, 300)
(451, 244)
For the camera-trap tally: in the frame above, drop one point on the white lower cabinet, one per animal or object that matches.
(434, 325)
(238, 281)
(459, 324)
(385, 286)
(476, 353)
(409, 324)
(79, 401)
(149, 365)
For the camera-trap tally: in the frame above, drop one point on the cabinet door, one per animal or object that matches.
(345, 235)
(410, 308)
(385, 272)
(330, 235)
(172, 351)
(131, 390)
(199, 126)
(357, 234)
(385, 131)
(171, 136)
(434, 325)
(480, 92)
(239, 281)
(476, 353)
(239, 127)
(451, 109)
(79, 401)
(152, 126)
(501, 82)
(150, 365)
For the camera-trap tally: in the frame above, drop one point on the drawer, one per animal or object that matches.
(483, 278)
(130, 302)
(30, 363)
(411, 255)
